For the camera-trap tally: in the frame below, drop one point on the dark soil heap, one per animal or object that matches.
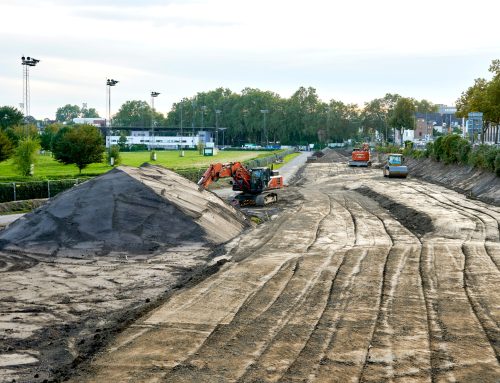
(125, 211)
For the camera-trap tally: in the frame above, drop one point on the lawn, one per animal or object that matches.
(48, 168)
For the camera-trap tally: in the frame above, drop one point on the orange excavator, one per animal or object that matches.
(256, 184)
(361, 157)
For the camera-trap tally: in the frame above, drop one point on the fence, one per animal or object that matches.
(18, 191)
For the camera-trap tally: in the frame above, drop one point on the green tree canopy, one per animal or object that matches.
(137, 113)
(80, 145)
(48, 136)
(10, 117)
(6, 147)
(403, 115)
(25, 155)
(67, 112)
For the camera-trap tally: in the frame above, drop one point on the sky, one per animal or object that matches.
(350, 50)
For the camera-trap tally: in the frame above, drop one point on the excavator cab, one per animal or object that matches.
(259, 179)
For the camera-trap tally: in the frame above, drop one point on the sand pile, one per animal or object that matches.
(127, 210)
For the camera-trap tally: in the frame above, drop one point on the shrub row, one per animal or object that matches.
(453, 149)
(16, 191)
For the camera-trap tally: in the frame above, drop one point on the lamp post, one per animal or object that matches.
(264, 112)
(109, 83)
(182, 152)
(27, 62)
(217, 112)
(153, 96)
(203, 108)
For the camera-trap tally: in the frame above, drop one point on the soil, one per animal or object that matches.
(354, 277)
(358, 278)
(93, 259)
(475, 183)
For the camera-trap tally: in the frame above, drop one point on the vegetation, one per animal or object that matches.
(25, 155)
(137, 114)
(6, 147)
(68, 112)
(453, 149)
(113, 152)
(483, 96)
(80, 145)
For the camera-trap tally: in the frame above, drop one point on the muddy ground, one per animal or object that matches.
(359, 278)
(351, 277)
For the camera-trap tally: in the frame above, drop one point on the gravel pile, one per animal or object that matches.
(130, 211)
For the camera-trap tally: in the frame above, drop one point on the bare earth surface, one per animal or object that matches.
(358, 278)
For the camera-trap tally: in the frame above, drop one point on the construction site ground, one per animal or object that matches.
(352, 277)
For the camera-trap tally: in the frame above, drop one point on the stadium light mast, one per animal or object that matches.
(27, 62)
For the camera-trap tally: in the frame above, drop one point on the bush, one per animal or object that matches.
(484, 157)
(25, 155)
(114, 152)
(6, 147)
(497, 163)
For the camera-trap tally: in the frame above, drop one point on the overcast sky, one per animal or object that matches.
(351, 50)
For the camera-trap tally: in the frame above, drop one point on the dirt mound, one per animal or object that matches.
(475, 183)
(127, 210)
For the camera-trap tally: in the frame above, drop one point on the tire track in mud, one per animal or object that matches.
(326, 351)
(478, 293)
(388, 356)
(249, 340)
(449, 359)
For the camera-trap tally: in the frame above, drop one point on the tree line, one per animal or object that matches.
(483, 96)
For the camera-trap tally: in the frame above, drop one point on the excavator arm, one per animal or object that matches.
(236, 170)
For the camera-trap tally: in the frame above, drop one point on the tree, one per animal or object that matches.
(25, 155)
(137, 114)
(48, 136)
(10, 117)
(89, 113)
(6, 147)
(402, 116)
(80, 145)
(67, 112)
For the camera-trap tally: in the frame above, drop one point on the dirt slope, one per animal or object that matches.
(342, 286)
(473, 182)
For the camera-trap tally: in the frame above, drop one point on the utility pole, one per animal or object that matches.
(217, 112)
(264, 112)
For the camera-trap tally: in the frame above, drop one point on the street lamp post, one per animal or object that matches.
(182, 152)
(109, 83)
(264, 112)
(153, 96)
(203, 108)
(217, 112)
(27, 62)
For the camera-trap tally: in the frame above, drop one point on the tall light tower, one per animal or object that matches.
(27, 62)
(109, 84)
(217, 112)
(153, 96)
(264, 112)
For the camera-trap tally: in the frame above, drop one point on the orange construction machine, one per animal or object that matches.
(361, 157)
(255, 184)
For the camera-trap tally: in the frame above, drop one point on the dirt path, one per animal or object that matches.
(359, 279)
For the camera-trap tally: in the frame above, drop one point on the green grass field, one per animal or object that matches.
(48, 168)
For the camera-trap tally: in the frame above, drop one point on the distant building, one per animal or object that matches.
(99, 122)
(162, 141)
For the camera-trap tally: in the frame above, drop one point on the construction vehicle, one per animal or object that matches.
(394, 167)
(256, 184)
(361, 157)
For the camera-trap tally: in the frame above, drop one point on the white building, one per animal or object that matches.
(143, 137)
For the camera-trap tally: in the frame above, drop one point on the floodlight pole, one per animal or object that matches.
(264, 112)
(153, 96)
(27, 62)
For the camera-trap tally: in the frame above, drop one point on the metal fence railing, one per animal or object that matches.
(17, 191)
